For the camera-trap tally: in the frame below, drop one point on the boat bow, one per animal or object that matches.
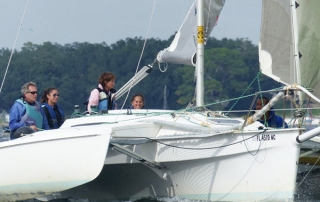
(51, 161)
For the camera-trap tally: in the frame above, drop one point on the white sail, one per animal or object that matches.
(183, 48)
(290, 41)
(308, 18)
(276, 48)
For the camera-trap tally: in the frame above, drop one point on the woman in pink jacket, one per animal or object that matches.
(103, 96)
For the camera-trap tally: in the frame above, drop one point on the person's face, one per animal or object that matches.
(109, 85)
(259, 104)
(137, 102)
(31, 95)
(53, 97)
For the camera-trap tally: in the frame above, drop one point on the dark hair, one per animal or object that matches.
(106, 76)
(266, 100)
(45, 93)
(138, 95)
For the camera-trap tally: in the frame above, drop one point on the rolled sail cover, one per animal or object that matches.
(184, 45)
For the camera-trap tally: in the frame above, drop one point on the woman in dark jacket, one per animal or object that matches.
(53, 112)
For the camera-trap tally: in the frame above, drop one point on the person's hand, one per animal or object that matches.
(34, 127)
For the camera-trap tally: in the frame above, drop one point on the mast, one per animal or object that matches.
(295, 47)
(295, 40)
(200, 54)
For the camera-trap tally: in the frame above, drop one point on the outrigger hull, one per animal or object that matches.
(51, 161)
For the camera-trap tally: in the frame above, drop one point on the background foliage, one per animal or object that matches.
(230, 66)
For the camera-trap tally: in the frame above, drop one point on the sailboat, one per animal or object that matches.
(191, 153)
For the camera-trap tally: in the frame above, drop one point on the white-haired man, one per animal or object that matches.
(26, 115)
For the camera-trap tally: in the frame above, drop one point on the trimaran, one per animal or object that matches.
(192, 153)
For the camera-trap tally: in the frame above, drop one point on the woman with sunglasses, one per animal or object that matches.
(52, 111)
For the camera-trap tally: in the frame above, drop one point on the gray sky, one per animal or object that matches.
(96, 21)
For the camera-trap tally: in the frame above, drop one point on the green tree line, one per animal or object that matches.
(230, 67)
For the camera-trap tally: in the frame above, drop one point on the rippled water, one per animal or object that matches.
(158, 199)
(3, 137)
(148, 199)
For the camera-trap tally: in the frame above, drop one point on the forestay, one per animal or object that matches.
(183, 48)
(290, 41)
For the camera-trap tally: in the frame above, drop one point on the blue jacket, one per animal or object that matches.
(54, 115)
(274, 121)
(17, 111)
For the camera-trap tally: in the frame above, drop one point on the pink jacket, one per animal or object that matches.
(94, 97)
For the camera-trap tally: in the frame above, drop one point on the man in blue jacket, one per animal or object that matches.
(26, 115)
(269, 119)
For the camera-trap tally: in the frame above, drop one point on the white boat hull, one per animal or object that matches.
(48, 162)
(241, 176)
(240, 166)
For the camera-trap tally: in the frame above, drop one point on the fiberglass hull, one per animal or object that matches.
(48, 162)
(251, 165)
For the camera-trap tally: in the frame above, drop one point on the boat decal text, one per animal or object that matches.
(265, 137)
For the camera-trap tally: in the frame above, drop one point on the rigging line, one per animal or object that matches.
(248, 150)
(144, 44)
(309, 171)
(258, 74)
(14, 45)
(204, 148)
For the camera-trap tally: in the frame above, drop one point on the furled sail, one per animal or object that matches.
(290, 42)
(183, 48)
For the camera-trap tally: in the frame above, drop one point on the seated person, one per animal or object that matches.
(26, 115)
(269, 119)
(137, 101)
(53, 112)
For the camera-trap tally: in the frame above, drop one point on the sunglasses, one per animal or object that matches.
(55, 95)
(33, 92)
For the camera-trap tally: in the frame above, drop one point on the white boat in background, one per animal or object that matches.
(192, 153)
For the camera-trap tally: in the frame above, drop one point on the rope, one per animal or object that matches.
(144, 44)
(257, 77)
(165, 67)
(253, 154)
(309, 171)
(14, 45)
(205, 148)
(189, 108)
(193, 108)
